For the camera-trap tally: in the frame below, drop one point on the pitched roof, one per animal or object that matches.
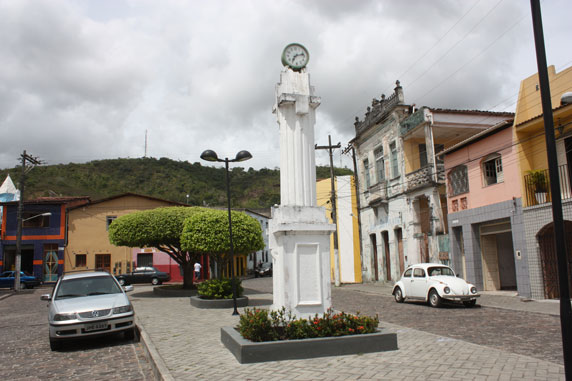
(174, 203)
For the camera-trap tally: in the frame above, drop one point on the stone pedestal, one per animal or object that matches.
(299, 230)
(300, 243)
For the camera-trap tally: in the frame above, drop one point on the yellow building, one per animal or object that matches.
(88, 245)
(529, 132)
(535, 182)
(349, 258)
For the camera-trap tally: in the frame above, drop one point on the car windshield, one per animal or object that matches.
(436, 271)
(79, 287)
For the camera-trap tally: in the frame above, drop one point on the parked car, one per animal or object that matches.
(263, 270)
(88, 304)
(144, 275)
(434, 283)
(26, 280)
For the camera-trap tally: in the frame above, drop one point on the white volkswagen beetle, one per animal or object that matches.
(433, 283)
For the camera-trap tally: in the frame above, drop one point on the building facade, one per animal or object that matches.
(402, 181)
(486, 226)
(349, 252)
(535, 180)
(262, 256)
(43, 235)
(88, 245)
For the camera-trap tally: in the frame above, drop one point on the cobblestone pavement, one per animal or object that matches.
(188, 343)
(526, 333)
(26, 354)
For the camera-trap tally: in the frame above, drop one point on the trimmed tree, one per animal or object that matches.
(207, 233)
(159, 228)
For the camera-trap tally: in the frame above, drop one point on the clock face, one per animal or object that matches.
(295, 56)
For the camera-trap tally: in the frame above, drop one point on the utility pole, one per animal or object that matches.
(330, 148)
(565, 309)
(18, 265)
(345, 151)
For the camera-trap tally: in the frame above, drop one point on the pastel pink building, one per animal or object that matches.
(486, 225)
(491, 164)
(151, 257)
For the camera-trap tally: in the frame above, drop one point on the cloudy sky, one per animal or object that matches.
(86, 79)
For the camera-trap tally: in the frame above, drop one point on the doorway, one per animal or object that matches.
(385, 238)
(373, 241)
(50, 263)
(549, 260)
(399, 239)
(497, 253)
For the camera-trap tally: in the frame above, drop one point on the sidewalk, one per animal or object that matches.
(184, 344)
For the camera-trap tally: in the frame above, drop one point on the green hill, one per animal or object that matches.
(163, 178)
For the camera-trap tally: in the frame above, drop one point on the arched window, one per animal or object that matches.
(458, 180)
(492, 169)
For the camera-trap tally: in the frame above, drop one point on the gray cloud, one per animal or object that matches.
(85, 80)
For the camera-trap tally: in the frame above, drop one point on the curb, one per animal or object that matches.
(160, 370)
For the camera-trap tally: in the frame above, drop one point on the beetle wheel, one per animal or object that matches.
(122, 282)
(398, 295)
(434, 299)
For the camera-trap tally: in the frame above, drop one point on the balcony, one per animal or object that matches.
(537, 186)
(377, 194)
(424, 177)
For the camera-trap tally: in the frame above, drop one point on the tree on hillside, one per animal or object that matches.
(160, 228)
(208, 233)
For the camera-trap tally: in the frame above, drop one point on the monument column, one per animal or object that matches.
(299, 230)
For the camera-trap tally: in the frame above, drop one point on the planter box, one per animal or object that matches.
(218, 303)
(247, 351)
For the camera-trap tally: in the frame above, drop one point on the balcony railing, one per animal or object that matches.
(425, 176)
(537, 186)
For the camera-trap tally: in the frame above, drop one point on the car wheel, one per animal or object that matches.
(434, 299)
(55, 345)
(129, 334)
(122, 282)
(154, 281)
(23, 286)
(470, 303)
(398, 295)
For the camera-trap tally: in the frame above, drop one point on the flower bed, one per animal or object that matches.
(272, 336)
(262, 325)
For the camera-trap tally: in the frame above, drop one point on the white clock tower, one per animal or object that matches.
(299, 230)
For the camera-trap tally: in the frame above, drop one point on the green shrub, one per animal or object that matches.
(262, 325)
(219, 288)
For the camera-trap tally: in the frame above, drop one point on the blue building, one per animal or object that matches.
(43, 235)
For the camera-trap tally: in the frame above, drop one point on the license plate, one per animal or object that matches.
(96, 326)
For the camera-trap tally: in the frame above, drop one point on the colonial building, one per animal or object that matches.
(533, 162)
(402, 184)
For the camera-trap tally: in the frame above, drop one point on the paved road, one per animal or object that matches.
(25, 351)
(525, 333)
(188, 347)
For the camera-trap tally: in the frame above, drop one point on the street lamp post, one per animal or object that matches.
(18, 264)
(210, 155)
